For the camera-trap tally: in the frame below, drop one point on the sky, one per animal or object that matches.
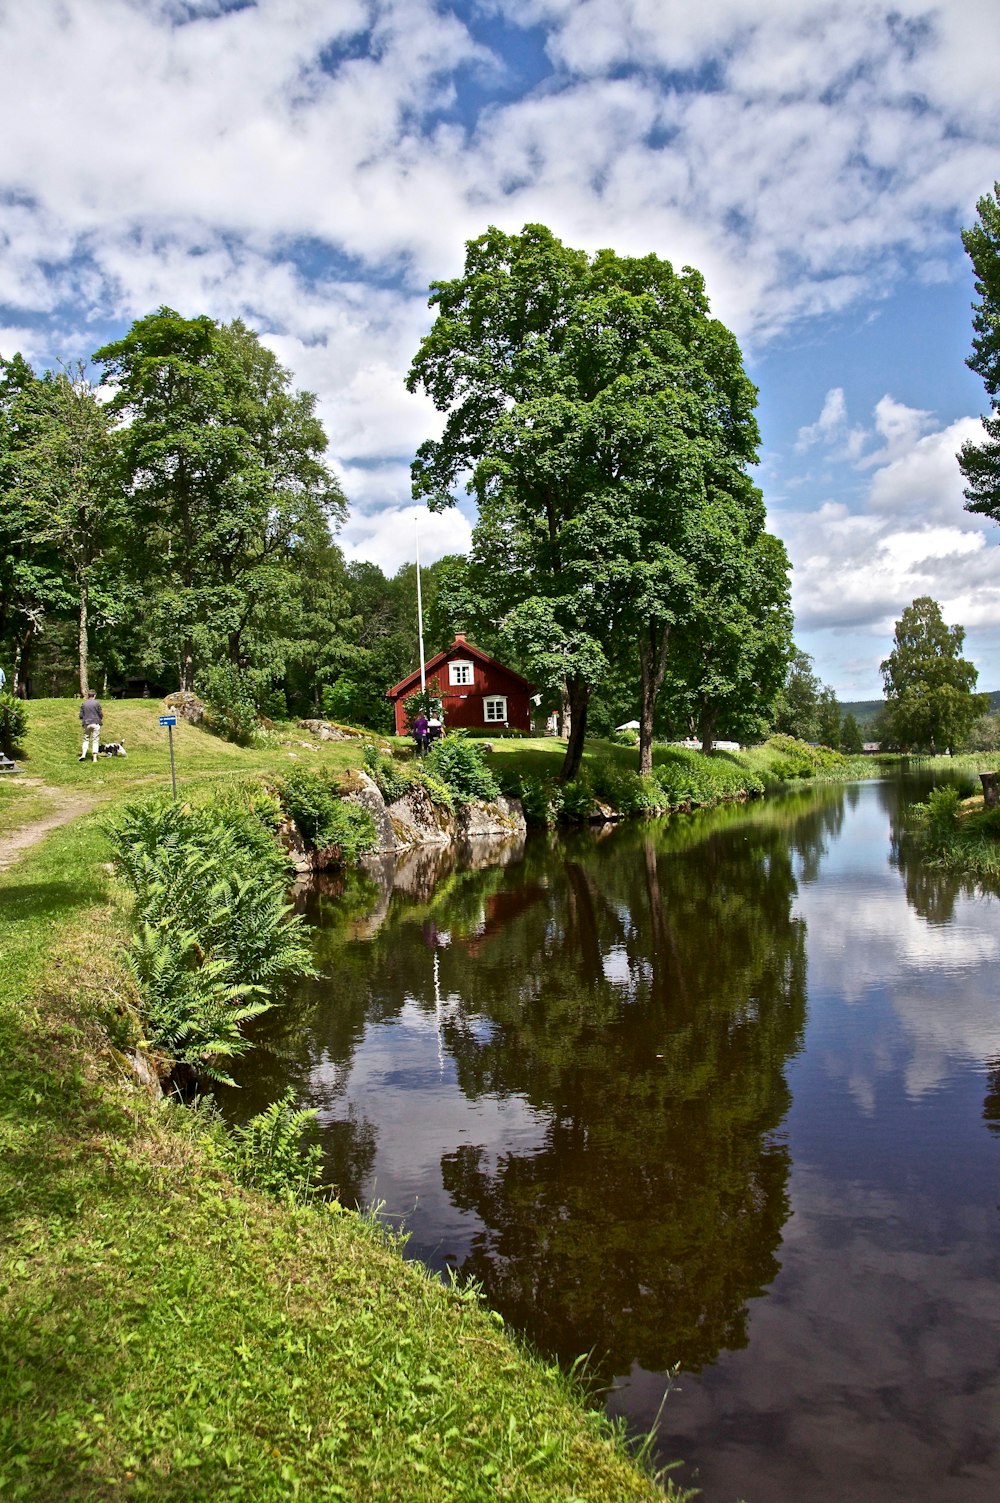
(312, 165)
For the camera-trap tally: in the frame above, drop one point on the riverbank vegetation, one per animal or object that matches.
(957, 834)
(170, 1334)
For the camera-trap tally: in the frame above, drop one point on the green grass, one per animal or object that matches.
(168, 1336)
(52, 750)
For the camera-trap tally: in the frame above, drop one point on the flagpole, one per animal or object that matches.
(420, 611)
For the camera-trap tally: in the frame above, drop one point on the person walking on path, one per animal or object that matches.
(91, 718)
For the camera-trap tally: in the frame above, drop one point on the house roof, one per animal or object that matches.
(468, 649)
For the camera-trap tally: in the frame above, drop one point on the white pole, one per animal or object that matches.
(420, 611)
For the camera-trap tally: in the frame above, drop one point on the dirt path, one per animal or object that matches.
(68, 806)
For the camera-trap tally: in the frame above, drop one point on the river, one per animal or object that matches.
(718, 1094)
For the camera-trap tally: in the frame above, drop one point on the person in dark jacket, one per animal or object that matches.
(91, 718)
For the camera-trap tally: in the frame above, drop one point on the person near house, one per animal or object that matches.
(435, 730)
(91, 718)
(421, 728)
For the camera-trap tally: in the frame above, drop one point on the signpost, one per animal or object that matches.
(170, 721)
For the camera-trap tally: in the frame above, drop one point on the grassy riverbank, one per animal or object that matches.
(954, 834)
(172, 1335)
(169, 1335)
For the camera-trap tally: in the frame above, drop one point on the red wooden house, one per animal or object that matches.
(475, 691)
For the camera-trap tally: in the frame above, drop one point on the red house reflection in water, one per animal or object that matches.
(475, 691)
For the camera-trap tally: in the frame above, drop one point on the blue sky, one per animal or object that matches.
(310, 166)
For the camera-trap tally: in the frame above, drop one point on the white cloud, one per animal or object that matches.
(830, 422)
(855, 571)
(388, 537)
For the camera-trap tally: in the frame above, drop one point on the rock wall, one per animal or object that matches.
(414, 822)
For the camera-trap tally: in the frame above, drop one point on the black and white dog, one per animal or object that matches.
(112, 749)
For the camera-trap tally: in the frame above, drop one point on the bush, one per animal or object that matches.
(390, 779)
(214, 934)
(538, 799)
(625, 790)
(323, 817)
(268, 1153)
(230, 704)
(939, 816)
(625, 737)
(460, 765)
(13, 723)
(577, 803)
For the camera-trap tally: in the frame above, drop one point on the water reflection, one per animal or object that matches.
(587, 1074)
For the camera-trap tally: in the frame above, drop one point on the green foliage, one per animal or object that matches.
(696, 779)
(324, 817)
(540, 798)
(390, 779)
(423, 702)
(930, 703)
(625, 790)
(360, 702)
(577, 803)
(624, 738)
(13, 723)
(269, 1153)
(938, 817)
(980, 463)
(597, 394)
(230, 705)
(851, 740)
(796, 712)
(214, 934)
(461, 766)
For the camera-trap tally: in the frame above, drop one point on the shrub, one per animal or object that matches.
(388, 777)
(461, 766)
(230, 705)
(323, 817)
(624, 737)
(13, 723)
(577, 803)
(538, 799)
(214, 934)
(625, 790)
(268, 1153)
(939, 816)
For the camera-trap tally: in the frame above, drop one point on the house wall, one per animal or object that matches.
(463, 704)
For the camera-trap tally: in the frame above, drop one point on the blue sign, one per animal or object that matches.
(168, 719)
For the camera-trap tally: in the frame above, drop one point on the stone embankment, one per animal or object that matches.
(415, 821)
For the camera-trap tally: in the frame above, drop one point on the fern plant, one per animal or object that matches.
(269, 1152)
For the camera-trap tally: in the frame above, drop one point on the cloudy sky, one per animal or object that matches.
(311, 165)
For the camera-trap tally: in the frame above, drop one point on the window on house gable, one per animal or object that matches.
(460, 672)
(495, 709)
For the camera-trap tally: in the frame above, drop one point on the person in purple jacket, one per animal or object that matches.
(91, 718)
(421, 728)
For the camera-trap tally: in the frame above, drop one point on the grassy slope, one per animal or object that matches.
(168, 1336)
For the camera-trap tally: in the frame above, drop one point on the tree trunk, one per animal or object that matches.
(579, 698)
(565, 713)
(653, 642)
(706, 728)
(83, 641)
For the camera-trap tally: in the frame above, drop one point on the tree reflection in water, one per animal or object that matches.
(641, 994)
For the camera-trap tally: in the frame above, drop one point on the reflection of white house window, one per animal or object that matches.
(460, 672)
(495, 709)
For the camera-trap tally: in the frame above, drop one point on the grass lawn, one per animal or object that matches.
(169, 1336)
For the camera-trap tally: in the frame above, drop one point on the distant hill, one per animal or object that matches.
(865, 710)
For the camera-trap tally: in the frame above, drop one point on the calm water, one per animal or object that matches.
(721, 1092)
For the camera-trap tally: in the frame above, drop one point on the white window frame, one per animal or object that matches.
(461, 673)
(494, 699)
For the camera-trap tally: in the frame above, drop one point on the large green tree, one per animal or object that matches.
(62, 480)
(592, 404)
(224, 461)
(980, 463)
(797, 709)
(929, 686)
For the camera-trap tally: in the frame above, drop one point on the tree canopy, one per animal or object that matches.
(600, 416)
(930, 703)
(980, 463)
